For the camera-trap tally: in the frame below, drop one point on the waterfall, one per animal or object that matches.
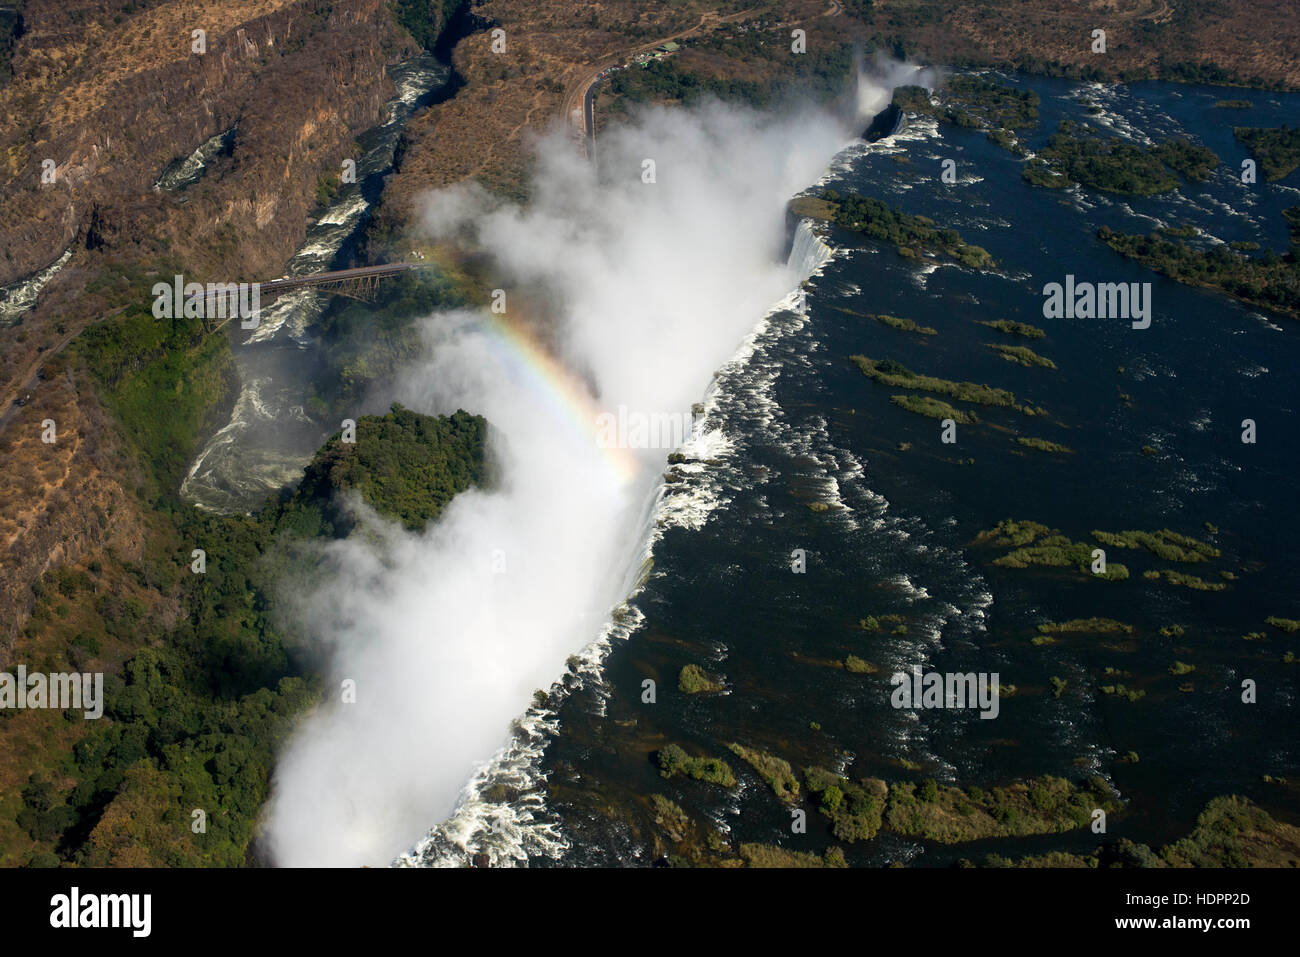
(506, 831)
(808, 252)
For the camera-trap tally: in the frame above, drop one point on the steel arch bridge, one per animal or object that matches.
(360, 283)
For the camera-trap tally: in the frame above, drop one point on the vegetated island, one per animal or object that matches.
(1077, 153)
(674, 760)
(858, 810)
(1033, 543)
(1174, 577)
(915, 237)
(1021, 355)
(1088, 626)
(1022, 329)
(950, 815)
(695, 680)
(775, 772)
(894, 322)
(1043, 445)
(1276, 149)
(1230, 832)
(1271, 281)
(976, 103)
(904, 325)
(1171, 546)
(892, 373)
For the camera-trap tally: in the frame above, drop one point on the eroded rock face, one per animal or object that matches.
(111, 104)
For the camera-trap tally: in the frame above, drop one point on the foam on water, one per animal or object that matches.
(189, 170)
(17, 297)
(269, 437)
(705, 471)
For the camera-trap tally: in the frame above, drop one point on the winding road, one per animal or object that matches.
(578, 108)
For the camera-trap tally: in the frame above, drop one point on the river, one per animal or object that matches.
(795, 424)
(270, 435)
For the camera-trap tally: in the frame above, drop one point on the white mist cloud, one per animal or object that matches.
(876, 84)
(656, 285)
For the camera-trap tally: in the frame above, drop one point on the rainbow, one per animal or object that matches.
(559, 390)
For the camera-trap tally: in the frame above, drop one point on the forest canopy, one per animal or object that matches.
(194, 719)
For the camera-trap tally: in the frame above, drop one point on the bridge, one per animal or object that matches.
(360, 283)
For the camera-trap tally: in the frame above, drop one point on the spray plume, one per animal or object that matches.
(447, 632)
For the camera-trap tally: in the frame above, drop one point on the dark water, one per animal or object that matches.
(808, 426)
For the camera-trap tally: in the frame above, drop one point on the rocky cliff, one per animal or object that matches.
(112, 98)
(100, 103)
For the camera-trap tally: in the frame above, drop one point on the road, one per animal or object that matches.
(589, 120)
(578, 106)
(27, 380)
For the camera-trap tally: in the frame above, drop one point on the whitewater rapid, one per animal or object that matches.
(270, 436)
(19, 296)
(510, 832)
